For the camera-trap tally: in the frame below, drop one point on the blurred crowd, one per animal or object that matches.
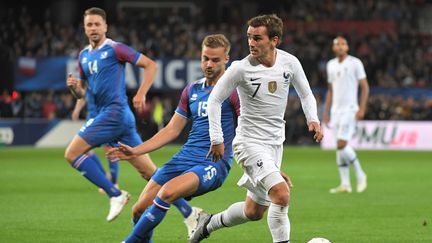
(399, 57)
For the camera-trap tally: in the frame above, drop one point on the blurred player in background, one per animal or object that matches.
(91, 113)
(345, 74)
(102, 71)
(262, 80)
(189, 173)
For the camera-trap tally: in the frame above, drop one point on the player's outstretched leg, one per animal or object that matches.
(89, 168)
(234, 215)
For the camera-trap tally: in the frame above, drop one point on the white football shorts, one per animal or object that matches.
(261, 165)
(343, 125)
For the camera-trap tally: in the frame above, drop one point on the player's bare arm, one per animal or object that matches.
(364, 88)
(80, 103)
(170, 132)
(150, 68)
(75, 86)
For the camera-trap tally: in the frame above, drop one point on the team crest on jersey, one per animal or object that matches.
(272, 86)
(287, 76)
(194, 97)
(84, 60)
(104, 55)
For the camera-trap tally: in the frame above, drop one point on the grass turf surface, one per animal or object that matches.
(42, 199)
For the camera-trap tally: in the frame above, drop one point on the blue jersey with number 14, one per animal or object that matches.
(193, 105)
(104, 70)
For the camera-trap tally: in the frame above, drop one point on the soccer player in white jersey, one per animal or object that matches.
(262, 80)
(345, 74)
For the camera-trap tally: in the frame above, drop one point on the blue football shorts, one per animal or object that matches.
(210, 174)
(108, 128)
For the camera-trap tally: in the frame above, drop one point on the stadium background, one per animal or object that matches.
(40, 39)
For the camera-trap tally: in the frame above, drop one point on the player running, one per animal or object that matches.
(102, 69)
(189, 173)
(262, 80)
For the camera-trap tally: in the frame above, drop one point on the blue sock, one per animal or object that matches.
(114, 169)
(143, 230)
(183, 206)
(94, 156)
(89, 169)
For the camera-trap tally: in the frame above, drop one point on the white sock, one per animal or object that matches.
(351, 156)
(343, 168)
(278, 223)
(234, 215)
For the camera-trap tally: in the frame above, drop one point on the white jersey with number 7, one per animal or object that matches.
(263, 93)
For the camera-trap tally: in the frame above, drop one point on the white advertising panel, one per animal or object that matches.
(386, 135)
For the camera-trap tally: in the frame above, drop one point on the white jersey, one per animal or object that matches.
(263, 93)
(344, 77)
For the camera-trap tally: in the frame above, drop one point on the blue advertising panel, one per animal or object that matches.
(22, 132)
(51, 73)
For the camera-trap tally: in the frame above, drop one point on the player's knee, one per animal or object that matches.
(280, 195)
(69, 156)
(341, 144)
(167, 194)
(282, 198)
(254, 214)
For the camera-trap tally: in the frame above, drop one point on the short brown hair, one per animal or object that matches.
(217, 40)
(272, 22)
(95, 11)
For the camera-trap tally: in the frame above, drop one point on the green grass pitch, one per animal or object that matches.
(42, 199)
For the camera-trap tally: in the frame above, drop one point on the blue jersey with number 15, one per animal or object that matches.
(193, 105)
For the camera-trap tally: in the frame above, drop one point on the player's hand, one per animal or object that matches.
(139, 102)
(216, 151)
(123, 152)
(287, 179)
(315, 127)
(360, 114)
(71, 82)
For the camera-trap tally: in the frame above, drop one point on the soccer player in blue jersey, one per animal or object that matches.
(188, 174)
(102, 71)
(88, 101)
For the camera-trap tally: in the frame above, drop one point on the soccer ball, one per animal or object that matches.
(318, 240)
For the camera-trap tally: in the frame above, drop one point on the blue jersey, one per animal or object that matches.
(111, 119)
(192, 156)
(193, 105)
(104, 70)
